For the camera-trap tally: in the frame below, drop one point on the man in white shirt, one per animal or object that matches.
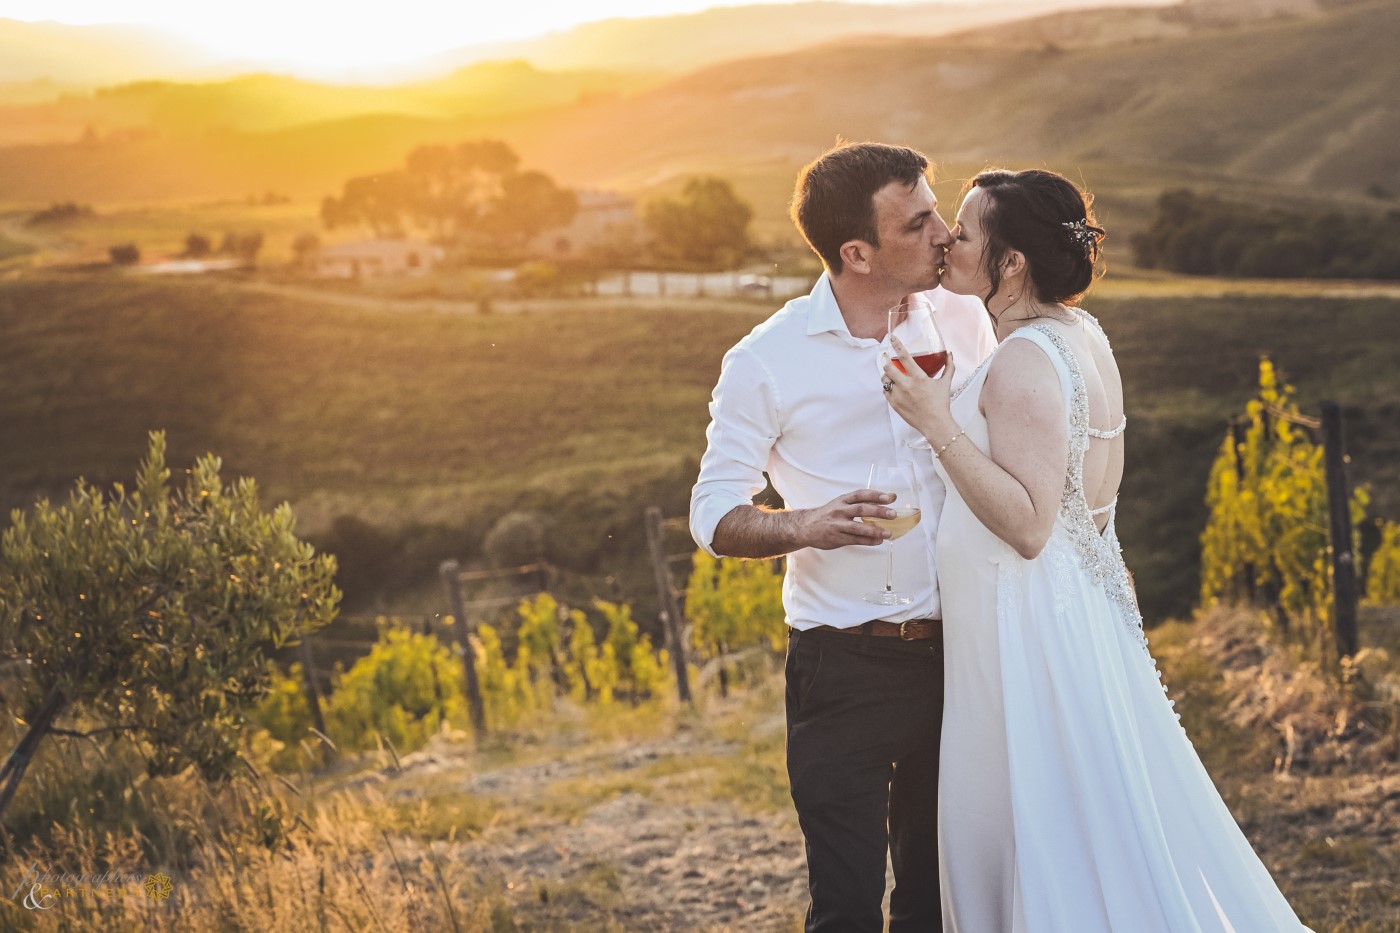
(801, 399)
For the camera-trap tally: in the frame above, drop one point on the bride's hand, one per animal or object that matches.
(919, 399)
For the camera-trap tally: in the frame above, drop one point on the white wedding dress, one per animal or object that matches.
(1070, 799)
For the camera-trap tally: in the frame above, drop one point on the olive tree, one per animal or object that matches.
(150, 613)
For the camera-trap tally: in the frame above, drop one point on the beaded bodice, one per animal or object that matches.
(1098, 552)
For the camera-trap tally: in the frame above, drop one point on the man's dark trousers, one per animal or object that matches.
(863, 719)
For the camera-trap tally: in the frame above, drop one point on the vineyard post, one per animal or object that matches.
(666, 595)
(313, 691)
(450, 572)
(1339, 515)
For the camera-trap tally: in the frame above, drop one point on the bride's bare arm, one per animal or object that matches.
(1016, 490)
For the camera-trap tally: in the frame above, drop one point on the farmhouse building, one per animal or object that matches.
(368, 258)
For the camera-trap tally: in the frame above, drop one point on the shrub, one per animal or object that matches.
(125, 254)
(150, 612)
(1204, 235)
(285, 714)
(403, 691)
(1383, 576)
(1268, 513)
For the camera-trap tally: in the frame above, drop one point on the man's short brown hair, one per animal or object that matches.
(833, 202)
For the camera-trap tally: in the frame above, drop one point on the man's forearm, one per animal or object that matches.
(748, 531)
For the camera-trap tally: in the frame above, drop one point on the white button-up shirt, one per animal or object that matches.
(800, 398)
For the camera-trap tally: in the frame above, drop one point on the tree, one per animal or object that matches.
(150, 613)
(473, 189)
(379, 201)
(248, 246)
(707, 227)
(125, 254)
(456, 186)
(530, 203)
(304, 247)
(197, 245)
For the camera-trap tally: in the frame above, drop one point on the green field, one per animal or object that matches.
(428, 426)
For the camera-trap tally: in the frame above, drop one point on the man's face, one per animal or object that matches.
(912, 236)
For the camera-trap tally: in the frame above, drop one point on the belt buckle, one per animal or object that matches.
(904, 632)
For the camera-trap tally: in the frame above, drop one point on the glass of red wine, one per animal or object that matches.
(912, 322)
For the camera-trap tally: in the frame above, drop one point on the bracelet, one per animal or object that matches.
(938, 454)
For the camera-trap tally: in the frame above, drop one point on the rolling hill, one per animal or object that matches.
(1304, 104)
(263, 102)
(112, 54)
(420, 416)
(685, 42)
(92, 55)
(1301, 102)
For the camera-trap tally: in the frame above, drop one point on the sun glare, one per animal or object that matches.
(345, 36)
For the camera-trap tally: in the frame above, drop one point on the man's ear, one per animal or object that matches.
(855, 255)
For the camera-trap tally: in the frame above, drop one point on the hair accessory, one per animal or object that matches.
(1081, 233)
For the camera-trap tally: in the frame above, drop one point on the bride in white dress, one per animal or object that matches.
(1070, 798)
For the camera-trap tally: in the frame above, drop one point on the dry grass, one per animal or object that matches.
(1309, 766)
(606, 818)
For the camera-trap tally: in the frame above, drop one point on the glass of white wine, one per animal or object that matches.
(896, 477)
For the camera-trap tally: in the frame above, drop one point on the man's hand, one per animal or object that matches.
(833, 525)
(748, 531)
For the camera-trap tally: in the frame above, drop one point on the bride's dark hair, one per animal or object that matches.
(1050, 221)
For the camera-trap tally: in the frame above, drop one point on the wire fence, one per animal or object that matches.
(353, 635)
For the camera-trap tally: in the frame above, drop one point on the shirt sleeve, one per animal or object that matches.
(743, 429)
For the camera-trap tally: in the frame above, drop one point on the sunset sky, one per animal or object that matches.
(348, 33)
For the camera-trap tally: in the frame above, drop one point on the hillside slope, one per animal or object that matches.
(1306, 102)
(263, 102)
(401, 416)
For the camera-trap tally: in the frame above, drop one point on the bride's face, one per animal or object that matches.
(963, 271)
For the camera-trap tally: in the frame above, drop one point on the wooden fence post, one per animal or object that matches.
(1339, 515)
(666, 596)
(449, 571)
(313, 691)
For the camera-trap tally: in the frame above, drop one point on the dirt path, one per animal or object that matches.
(366, 301)
(690, 828)
(622, 835)
(361, 301)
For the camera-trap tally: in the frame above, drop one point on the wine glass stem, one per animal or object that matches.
(889, 571)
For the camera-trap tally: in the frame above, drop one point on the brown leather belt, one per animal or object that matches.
(912, 630)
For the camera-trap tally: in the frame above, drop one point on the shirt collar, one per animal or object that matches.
(823, 313)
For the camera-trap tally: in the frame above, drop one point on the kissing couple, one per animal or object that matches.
(996, 724)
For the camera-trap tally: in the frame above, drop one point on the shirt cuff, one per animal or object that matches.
(705, 514)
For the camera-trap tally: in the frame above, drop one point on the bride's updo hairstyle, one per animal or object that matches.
(1047, 219)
